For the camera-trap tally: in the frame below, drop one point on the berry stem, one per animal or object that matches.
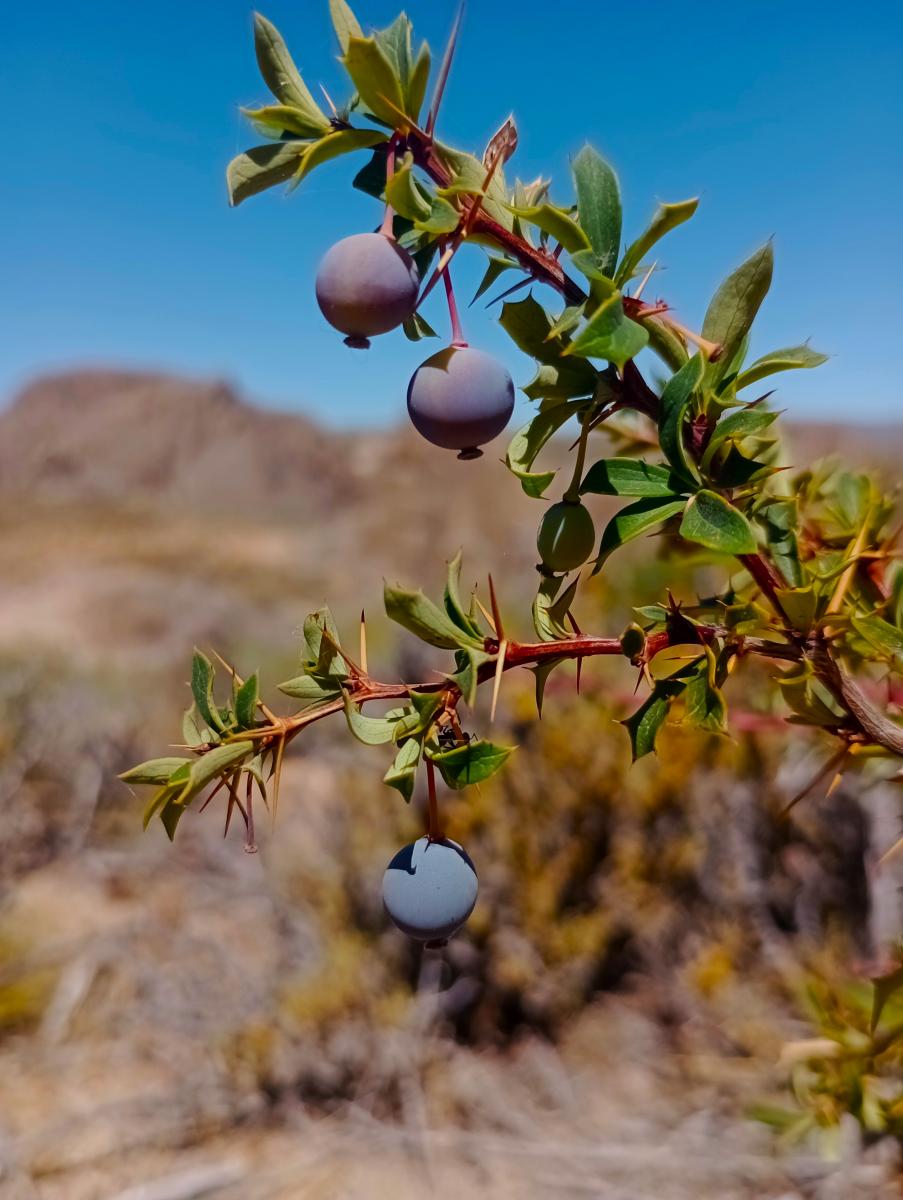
(433, 830)
(458, 338)
(387, 228)
(572, 495)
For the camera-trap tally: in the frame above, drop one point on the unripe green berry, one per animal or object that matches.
(566, 536)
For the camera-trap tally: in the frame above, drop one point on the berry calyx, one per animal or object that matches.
(366, 284)
(460, 398)
(430, 888)
(566, 536)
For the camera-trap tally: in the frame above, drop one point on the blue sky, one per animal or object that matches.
(120, 247)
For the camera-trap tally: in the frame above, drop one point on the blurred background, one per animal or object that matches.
(189, 456)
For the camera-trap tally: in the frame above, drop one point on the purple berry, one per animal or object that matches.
(429, 889)
(460, 399)
(566, 536)
(366, 284)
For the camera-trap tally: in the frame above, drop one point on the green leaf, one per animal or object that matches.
(155, 770)
(195, 731)
(675, 659)
(416, 327)
(372, 731)
(344, 22)
(675, 403)
(418, 81)
(333, 145)
(744, 422)
(246, 702)
(262, 167)
(529, 440)
(564, 380)
(800, 604)
(635, 520)
(420, 616)
(599, 206)
(884, 637)
(734, 307)
(703, 702)
(215, 762)
(402, 774)
(471, 763)
(631, 477)
(667, 217)
(453, 606)
(644, 724)
(550, 608)
(375, 78)
(468, 662)
(713, 522)
(395, 42)
(202, 675)
(790, 359)
(610, 334)
(496, 267)
(281, 75)
(529, 326)
(469, 174)
(808, 698)
(277, 120)
(170, 815)
(404, 193)
(320, 654)
(556, 222)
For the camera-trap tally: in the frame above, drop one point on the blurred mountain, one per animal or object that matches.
(146, 511)
(165, 442)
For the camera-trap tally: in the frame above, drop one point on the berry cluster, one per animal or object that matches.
(460, 398)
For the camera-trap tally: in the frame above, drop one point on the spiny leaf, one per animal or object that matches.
(644, 724)
(262, 167)
(635, 520)
(599, 206)
(453, 605)
(555, 221)
(550, 608)
(372, 731)
(734, 308)
(246, 702)
(667, 217)
(277, 120)
(155, 770)
(471, 763)
(610, 334)
(713, 522)
(529, 440)
(281, 75)
(675, 403)
(203, 770)
(744, 422)
(416, 613)
(333, 145)
(792, 358)
(631, 477)
(344, 22)
(202, 676)
(375, 78)
(402, 774)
